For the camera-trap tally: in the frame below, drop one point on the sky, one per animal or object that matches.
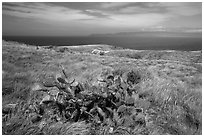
(81, 19)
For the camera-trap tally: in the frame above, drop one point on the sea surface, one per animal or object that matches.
(138, 43)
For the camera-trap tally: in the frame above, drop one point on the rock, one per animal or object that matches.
(99, 52)
(95, 51)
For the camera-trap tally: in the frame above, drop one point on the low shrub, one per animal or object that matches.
(133, 77)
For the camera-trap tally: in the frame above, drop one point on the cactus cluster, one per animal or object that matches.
(73, 103)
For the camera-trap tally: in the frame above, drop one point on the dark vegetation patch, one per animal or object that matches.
(133, 77)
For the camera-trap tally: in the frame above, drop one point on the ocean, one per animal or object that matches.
(138, 43)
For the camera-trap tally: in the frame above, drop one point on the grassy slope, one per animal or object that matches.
(172, 79)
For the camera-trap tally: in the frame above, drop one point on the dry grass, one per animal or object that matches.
(170, 90)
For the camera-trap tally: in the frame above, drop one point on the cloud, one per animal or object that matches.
(53, 11)
(96, 13)
(102, 16)
(182, 9)
(130, 21)
(114, 4)
(138, 9)
(43, 11)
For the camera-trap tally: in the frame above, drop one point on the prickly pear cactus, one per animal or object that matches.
(70, 100)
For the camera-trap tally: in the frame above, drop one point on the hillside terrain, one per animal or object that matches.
(73, 90)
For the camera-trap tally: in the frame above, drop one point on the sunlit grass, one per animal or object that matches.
(169, 91)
